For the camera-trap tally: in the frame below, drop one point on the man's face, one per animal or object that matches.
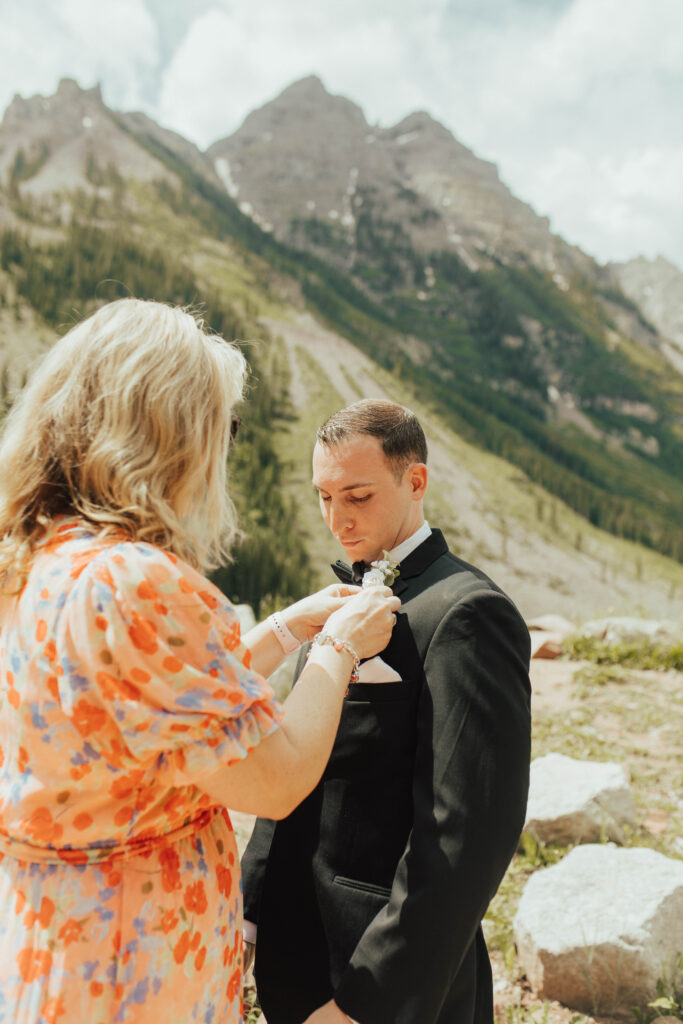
(365, 505)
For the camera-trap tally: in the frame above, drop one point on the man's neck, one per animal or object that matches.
(407, 546)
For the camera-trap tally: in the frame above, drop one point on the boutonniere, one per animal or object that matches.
(381, 573)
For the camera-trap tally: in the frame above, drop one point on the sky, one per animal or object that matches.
(578, 102)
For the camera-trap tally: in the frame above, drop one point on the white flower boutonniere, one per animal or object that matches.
(381, 573)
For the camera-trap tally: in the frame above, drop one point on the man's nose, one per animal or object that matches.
(339, 518)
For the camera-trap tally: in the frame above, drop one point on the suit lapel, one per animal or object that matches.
(419, 560)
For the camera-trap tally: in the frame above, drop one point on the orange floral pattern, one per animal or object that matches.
(123, 682)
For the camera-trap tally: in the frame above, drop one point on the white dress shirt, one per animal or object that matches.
(407, 546)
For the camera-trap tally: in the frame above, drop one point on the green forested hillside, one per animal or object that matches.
(496, 338)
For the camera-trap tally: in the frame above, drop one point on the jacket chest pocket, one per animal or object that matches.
(377, 729)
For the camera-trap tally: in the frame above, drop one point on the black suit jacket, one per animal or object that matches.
(373, 890)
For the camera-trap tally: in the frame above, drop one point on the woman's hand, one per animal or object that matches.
(366, 620)
(307, 617)
(304, 620)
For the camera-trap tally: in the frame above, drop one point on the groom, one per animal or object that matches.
(368, 898)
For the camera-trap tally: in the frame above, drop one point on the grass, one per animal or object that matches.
(638, 654)
(669, 999)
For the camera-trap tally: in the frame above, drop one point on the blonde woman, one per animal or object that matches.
(131, 713)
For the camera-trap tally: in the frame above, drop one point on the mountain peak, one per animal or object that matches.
(292, 113)
(23, 110)
(69, 88)
(311, 85)
(59, 140)
(308, 98)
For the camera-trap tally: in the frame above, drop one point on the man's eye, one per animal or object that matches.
(323, 498)
(359, 501)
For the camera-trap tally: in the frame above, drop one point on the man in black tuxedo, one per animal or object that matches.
(368, 899)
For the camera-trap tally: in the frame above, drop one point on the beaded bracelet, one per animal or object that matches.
(339, 645)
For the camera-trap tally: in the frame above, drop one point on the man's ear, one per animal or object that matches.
(417, 477)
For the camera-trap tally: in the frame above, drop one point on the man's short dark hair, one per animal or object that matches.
(397, 428)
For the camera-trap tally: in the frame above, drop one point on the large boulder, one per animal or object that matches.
(596, 931)
(578, 801)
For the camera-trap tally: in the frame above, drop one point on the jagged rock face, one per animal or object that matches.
(657, 287)
(309, 154)
(299, 157)
(61, 142)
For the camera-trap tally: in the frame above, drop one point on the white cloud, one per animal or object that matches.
(41, 43)
(595, 43)
(238, 58)
(118, 41)
(579, 113)
(624, 206)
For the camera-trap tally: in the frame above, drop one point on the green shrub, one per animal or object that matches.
(642, 654)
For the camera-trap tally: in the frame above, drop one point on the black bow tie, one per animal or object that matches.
(349, 573)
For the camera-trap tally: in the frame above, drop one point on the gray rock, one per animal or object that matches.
(547, 635)
(545, 644)
(552, 624)
(597, 930)
(578, 801)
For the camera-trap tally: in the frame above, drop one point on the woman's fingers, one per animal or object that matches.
(366, 620)
(341, 590)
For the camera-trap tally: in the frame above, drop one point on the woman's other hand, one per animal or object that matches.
(365, 621)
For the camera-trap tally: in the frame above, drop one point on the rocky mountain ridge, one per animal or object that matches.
(308, 154)
(67, 141)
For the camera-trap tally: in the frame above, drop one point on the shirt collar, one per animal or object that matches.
(407, 546)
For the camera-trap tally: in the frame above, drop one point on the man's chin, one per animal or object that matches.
(355, 552)
(359, 553)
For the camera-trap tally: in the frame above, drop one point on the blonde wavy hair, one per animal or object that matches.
(127, 423)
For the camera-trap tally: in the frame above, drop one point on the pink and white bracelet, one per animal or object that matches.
(288, 642)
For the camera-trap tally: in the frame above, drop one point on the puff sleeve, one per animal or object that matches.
(153, 668)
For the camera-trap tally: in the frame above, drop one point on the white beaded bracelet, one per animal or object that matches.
(288, 642)
(340, 645)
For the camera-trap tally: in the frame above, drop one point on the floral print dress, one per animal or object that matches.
(123, 684)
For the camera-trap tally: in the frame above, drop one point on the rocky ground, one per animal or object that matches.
(597, 713)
